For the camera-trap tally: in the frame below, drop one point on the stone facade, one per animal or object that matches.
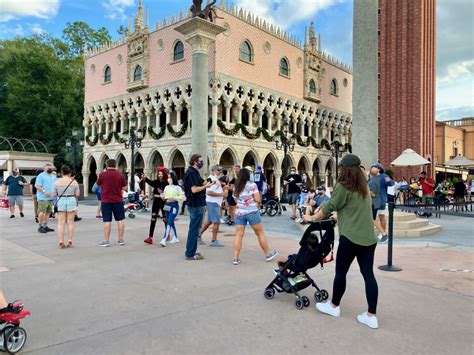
(248, 101)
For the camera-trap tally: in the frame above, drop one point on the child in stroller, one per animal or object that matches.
(133, 202)
(292, 277)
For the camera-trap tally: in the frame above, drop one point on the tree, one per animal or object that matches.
(78, 35)
(122, 30)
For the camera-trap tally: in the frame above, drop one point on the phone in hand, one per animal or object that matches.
(209, 180)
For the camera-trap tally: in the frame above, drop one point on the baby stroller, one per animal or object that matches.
(133, 203)
(12, 336)
(292, 276)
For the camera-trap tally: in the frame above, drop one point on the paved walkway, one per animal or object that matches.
(141, 299)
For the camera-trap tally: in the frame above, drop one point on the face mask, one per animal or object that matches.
(200, 164)
(293, 172)
(49, 171)
(15, 173)
(305, 178)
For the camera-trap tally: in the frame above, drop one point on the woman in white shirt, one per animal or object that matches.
(172, 195)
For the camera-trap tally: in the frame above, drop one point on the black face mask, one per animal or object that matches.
(200, 164)
(15, 173)
(49, 171)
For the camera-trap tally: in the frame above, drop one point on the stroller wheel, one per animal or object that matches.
(272, 208)
(269, 293)
(14, 338)
(306, 301)
(325, 294)
(299, 303)
(318, 296)
(131, 215)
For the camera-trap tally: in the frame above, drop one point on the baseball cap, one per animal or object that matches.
(248, 167)
(259, 167)
(350, 160)
(378, 165)
(216, 167)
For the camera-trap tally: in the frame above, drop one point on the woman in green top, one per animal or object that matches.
(351, 200)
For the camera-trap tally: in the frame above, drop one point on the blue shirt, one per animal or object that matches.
(259, 179)
(14, 188)
(46, 181)
(383, 188)
(321, 199)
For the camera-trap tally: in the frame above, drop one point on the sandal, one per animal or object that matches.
(69, 244)
(61, 245)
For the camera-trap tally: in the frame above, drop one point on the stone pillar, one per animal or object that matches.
(250, 114)
(107, 126)
(278, 118)
(269, 122)
(148, 119)
(365, 80)
(200, 34)
(228, 113)
(278, 183)
(139, 119)
(157, 123)
(178, 119)
(85, 182)
(260, 120)
(93, 128)
(214, 107)
(122, 123)
(239, 117)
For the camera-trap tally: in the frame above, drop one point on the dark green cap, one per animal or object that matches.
(350, 160)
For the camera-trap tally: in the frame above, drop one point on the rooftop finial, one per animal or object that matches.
(312, 36)
(139, 18)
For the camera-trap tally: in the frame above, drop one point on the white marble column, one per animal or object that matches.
(278, 183)
(178, 119)
(214, 111)
(85, 182)
(228, 113)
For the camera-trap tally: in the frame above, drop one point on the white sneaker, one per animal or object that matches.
(174, 240)
(328, 309)
(369, 321)
(163, 243)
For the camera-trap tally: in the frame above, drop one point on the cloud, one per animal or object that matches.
(11, 9)
(9, 31)
(115, 9)
(455, 70)
(37, 29)
(286, 13)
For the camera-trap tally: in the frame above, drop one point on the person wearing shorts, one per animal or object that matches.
(294, 183)
(113, 184)
(14, 185)
(377, 206)
(214, 195)
(247, 197)
(45, 189)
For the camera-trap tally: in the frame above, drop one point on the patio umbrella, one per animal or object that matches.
(410, 158)
(459, 161)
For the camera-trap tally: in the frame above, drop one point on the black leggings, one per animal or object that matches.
(156, 207)
(346, 252)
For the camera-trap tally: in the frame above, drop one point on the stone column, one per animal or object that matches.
(278, 183)
(93, 128)
(190, 110)
(260, 120)
(365, 80)
(250, 114)
(107, 126)
(178, 119)
(214, 107)
(278, 118)
(228, 113)
(239, 118)
(157, 123)
(200, 34)
(122, 123)
(85, 182)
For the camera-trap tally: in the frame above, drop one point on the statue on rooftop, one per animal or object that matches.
(208, 12)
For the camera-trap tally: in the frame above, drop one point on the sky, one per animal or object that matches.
(332, 18)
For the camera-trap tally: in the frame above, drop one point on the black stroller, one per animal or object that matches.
(292, 276)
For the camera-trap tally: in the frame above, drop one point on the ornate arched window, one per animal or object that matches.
(334, 87)
(312, 86)
(178, 51)
(107, 74)
(137, 74)
(284, 67)
(246, 52)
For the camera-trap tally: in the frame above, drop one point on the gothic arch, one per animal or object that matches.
(317, 171)
(102, 160)
(250, 158)
(228, 158)
(177, 162)
(122, 162)
(303, 165)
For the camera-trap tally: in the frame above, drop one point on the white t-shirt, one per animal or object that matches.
(472, 186)
(245, 202)
(217, 188)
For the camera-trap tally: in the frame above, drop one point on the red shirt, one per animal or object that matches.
(112, 183)
(427, 190)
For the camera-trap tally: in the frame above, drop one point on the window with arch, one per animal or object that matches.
(284, 67)
(137, 74)
(107, 74)
(334, 87)
(312, 86)
(178, 51)
(246, 53)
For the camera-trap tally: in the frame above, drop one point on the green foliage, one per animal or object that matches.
(42, 86)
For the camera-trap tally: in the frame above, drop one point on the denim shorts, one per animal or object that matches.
(112, 208)
(213, 212)
(251, 218)
(293, 198)
(67, 204)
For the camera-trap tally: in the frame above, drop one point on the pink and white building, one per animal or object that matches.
(260, 79)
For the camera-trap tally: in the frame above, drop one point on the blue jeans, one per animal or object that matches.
(196, 215)
(170, 217)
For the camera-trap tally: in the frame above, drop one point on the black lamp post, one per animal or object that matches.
(287, 144)
(73, 143)
(134, 140)
(337, 149)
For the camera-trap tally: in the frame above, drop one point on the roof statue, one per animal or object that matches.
(209, 11)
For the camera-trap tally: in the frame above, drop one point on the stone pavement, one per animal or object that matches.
(141, 299)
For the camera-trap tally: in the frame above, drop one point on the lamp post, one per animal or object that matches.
(337, 150)
(134, 140)
(287, 144)
(73, 143)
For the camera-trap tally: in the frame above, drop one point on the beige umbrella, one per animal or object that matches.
(459, 161)
(410, 158)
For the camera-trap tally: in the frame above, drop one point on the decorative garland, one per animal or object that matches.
(93, 142)
(158, 135)
(118, 139)
(181, 132)
(105, 140)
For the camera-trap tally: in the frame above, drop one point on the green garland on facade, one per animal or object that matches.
(118, 139)
(93, 142)
(106, 140)
(181, 132)
(158, 135)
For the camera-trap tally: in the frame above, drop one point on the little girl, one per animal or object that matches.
(172, 194)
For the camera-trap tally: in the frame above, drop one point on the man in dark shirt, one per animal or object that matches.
(113, 185)
(230, 198)
(33, 194)
(14, 189)
(294, 183)
(195, 190)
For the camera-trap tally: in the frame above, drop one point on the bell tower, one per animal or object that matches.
(312, 66)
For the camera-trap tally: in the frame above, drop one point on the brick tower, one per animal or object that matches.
(406, 81)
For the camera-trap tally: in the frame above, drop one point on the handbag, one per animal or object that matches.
(55, 206)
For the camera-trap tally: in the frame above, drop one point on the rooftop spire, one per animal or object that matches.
(312, 36)
(139, 18)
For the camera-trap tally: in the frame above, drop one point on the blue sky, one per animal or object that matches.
(333, 19)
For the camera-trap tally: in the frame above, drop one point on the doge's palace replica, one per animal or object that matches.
(261, 82)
